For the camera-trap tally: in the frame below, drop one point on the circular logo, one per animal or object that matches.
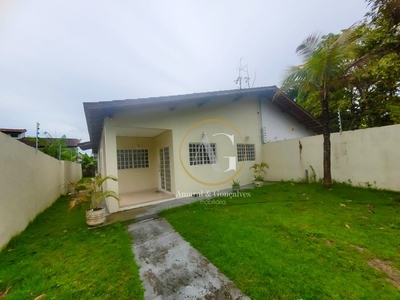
(202, 152)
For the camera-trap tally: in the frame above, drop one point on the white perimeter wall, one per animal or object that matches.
(362, 157)
(30, 181)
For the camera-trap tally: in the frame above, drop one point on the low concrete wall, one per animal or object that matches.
(30, 181)
(362, 157)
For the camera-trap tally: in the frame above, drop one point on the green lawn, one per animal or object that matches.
(59, 257)
(296, 241)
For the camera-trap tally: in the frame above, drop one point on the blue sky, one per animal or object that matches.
(55, 55)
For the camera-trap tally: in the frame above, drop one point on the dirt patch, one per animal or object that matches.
(384, 266)
(3, 294)
(330, 243)
(361, 249)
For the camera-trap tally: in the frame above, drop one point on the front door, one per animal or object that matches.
(165, 170)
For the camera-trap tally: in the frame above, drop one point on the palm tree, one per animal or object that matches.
(323, 71)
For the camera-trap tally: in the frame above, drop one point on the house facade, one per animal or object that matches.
(14, 133)
(192, 144)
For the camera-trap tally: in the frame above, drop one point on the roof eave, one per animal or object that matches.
(96, 112)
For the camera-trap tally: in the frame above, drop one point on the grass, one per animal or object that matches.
(296, 241)
(57, 256)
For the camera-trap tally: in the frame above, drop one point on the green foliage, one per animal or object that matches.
(290, 241)
(356, 72)
(57, 148)
(375, 80)
(320, 79)
(58, 256)
(235, 183)
(367, 93)
(313, 175)
(90, 191)
(259, 170)
(89, 165)
(385, 13)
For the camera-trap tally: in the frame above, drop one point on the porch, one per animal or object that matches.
(141, 198)
(143, 159)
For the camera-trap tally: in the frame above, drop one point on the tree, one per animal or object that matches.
(321, 75)
(57, 148)
(376, 70)
(89, 165)
(357, 72)
(370, 95)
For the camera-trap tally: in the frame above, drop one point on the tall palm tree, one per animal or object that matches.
(323, 71)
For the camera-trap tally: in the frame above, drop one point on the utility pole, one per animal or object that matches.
(37, 135)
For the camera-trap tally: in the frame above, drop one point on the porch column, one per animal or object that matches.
(110, 158)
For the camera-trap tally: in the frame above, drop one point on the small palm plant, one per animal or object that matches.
(235, 185)
(259, 171)
(90, 191)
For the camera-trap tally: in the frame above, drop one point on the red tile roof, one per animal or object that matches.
(71, 143)
(8, 130)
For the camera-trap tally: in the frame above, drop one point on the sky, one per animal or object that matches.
(55, 55)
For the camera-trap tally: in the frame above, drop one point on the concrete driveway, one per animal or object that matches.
(171, 268)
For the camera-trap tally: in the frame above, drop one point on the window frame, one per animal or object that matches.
(133, 158)
(198, 155)
(246, 153)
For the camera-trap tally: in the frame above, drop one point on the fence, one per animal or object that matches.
(30, 181)
(366, 157)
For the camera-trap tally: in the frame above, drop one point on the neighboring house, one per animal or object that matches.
(14, 133)
(61, 148)
(19, 134)
(189, 145)
(43, 142)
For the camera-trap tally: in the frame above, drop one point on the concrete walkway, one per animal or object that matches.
(171, 268)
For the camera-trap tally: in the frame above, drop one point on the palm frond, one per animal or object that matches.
(78, 199)
(98, 197)
(298, 77)
(100, 180)
(308, 46)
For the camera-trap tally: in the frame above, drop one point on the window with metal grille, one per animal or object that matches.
(246, 152)
(132, 158)
(202, 154)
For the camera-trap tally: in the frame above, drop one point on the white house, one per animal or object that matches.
(14, 133)
(179, 146)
